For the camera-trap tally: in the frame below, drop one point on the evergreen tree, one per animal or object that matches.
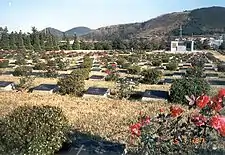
(20, 41)
(42, 40)
(55, 43)
(76, 44)
(4, 42)
(68, 46)
(49, 43)
(27, 42)
(35, 40)
(12, 42)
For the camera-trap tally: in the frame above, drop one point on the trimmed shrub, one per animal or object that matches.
(195, 72)
(33, 130)
(188, 86)
(72, 84)
(221, 67)
(40, 66)
(82, 72)
(112, 77)
(165, 60)
(156, 63)
(172, 66)
(134, 69)
(22, 71)
(4, 63)
(151, 76)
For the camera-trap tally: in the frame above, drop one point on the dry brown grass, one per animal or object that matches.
(218, 55)
(104, 117)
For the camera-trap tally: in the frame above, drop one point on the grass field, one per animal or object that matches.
(107, 118)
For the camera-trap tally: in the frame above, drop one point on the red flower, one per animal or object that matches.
(161, 110)
(146, 121)
(216, 104)
(113, 65)
(218, 123)
(175, 111)
(136, 129)
(198, 120)
(221, 93)
(107, 72)
(202, 101)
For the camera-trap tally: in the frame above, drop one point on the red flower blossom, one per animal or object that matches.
(218, 123)
(202, 101)
(107, 72)
(221, 93)
(175, 111)
(113, 65)
(198, 120)
(161, 110)
(146, 121)
(216, 104)
(136, 129)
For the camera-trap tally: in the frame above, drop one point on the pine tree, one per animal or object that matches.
(12, 42)
(27, 42)
(55, 43)
(68, 46)
(42, 40)
(76, 44)
(4, 42)
(20, 41)
(35, 40)
(49, 43)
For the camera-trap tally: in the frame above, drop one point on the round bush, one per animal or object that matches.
(221, 67)
(72, 84)
(151, 76)
(156, 63)
(134, 69)
(4, 63)
(33, 130)
(40, 66)
(172, 66)
(188, 86)
(22, 71)
(195, 72)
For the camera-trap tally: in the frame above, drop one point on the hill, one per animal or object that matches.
(78, 31)
(53, 31)
(198, 21)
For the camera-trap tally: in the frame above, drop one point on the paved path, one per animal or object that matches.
(218, 55)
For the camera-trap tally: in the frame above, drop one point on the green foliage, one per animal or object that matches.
(151, 76)
(33, 130)
(134, 69)
(76, 44)
(187, 86)
(195, 72)
(222, 46)
(40, 66)
(22, 71)
(72, 84)
(4, 63)
(25, 82)
(121, 61)
(221, 67)
(84, 72)
(112, 77)
(124, 88)
(156, 62)
(87, 62)
(172, 66)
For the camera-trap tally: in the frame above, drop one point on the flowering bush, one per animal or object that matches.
(199, 130)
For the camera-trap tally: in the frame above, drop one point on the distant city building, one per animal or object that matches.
(215, 43)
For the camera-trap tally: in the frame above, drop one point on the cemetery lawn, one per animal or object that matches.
(107, 118)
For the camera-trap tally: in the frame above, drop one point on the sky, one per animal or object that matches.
(66, 14)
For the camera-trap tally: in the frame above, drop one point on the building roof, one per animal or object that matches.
(5, 83)
(96, 91)
(46, 87)
(159, 94)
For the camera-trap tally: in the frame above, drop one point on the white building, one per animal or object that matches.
(182, 46)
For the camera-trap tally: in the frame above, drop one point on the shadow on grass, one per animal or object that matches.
(87, 144)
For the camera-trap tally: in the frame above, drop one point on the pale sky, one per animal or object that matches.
(66, 14)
